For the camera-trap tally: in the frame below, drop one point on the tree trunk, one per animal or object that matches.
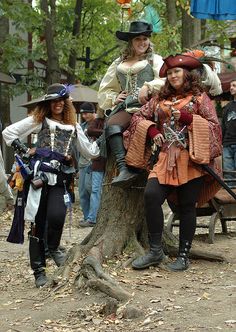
(191, 30)
(172, 21)
(5, 100)
(120, 229)
(75, 34)
(53, 74)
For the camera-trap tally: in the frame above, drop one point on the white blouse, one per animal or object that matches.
(25, 127)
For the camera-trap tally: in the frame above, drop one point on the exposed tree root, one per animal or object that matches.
(68, 271)
(96, 278)
(208, 256)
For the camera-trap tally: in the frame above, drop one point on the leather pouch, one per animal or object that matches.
(39, 180)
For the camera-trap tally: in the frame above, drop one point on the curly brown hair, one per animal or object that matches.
(192, 83)
(43, 110)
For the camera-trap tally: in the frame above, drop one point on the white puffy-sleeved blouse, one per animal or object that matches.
(25, 127)
(110, 86)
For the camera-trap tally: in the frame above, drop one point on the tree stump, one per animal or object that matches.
(120, 228)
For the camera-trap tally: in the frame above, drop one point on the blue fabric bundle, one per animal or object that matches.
(214, 9)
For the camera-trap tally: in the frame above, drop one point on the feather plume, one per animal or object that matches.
(151, 16)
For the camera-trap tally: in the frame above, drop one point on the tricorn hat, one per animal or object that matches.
(179, 60)
(56, 91)
(136, 28)
(87, 108)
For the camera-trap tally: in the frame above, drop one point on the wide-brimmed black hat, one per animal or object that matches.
(179, 60)
(87, 108)
(136, 28)
(56, 91)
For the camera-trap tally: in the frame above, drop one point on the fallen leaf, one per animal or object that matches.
(155, 300)
(146, 321)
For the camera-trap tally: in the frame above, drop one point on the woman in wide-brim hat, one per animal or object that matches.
(128, 84)
(51, 162)
(182, 122)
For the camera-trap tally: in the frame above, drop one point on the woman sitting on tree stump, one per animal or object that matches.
(128, 83)
(183, 124)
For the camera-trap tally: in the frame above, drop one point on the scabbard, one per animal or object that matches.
(209, 170)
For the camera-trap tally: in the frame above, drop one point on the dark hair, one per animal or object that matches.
(192, 83)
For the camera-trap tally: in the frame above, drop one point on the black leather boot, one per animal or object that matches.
(154, 257)
(182, 261)
(53, 242)
(125, 176)
(58, 256)
(37, 260)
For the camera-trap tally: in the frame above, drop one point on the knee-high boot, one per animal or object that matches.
(155, 255)
(115, 140)
(182, 261)
(54, 238)
(37, 260)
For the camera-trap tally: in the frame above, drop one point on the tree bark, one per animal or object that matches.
(53, 74)
(5, 100)
(75, 34)
(172, 20)
(191, 30)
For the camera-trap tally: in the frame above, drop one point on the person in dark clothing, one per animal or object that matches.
(229, 136)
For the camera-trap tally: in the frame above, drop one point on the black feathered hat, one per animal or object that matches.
(56, 91)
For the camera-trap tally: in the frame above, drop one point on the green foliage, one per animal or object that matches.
(218, 30)
(22, 15)
(99, 21)
(12, 56)
(185, 4)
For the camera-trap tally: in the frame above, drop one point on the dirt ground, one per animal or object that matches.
(203, 298)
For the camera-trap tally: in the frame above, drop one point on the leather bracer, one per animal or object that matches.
(19, 147)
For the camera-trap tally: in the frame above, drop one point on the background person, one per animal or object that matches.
(58, 134)
(132, 78)
(229, 136)
(184, 125)
(91, 173)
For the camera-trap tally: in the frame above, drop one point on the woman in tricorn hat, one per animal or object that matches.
(128, 84)
(58, 134)
(181, 120)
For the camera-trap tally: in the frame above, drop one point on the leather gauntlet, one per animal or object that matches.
(19, 147)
